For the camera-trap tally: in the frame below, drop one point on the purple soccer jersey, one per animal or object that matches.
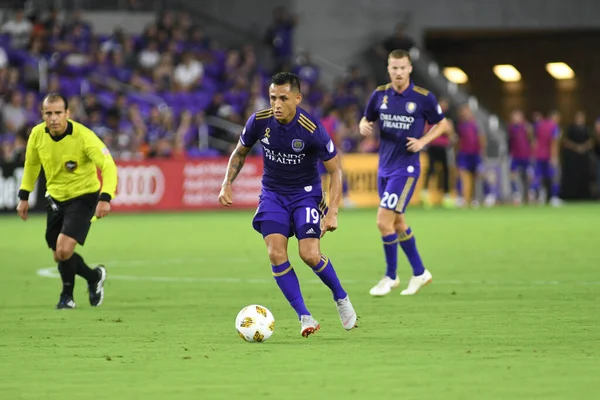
(401, 116)
(291, 200)
(546, 131)
(518, 139)
(468, 137)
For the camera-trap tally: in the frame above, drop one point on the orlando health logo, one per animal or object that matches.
(394, 121)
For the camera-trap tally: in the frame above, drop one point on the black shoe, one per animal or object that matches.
(96, 289)
(65, 302)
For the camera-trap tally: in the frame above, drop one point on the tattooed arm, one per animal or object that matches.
(236, 162)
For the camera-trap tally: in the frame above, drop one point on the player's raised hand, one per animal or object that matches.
(414, 145)
(365, 127)
(226, 195)
(328, 224)
(22, 209)
(102, 209)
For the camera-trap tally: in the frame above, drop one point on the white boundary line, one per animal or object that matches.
(51, 272)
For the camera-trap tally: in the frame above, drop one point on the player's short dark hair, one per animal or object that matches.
(284, 78)
(55, 97)
(398, 54)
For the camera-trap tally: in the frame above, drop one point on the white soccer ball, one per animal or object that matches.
(255, 323)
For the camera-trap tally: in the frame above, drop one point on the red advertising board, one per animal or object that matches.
(183, 184)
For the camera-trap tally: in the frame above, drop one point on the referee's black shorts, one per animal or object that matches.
(73, 218)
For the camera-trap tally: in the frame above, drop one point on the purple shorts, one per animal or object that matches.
(520, 164)
(289, 215)
(469, 162)
(544, 169)
(395, 192)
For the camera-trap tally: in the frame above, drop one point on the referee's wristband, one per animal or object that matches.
(23, 195)
(105, 197)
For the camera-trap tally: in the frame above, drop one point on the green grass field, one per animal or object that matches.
(513, 313)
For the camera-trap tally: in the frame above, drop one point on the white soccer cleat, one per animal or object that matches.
(309, 325)
(385, 286)
(556, 202)
(347, 313)
(490, 200)
(416, 283)
(517, 199)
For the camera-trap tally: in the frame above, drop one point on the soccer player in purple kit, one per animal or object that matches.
(401, 109)
(471, 150)
(519, 145)
(545, 153)
(291, 200)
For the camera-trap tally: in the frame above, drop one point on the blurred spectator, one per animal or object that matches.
(52, 20)
(149, 57)
(398, 41)
(12, 148)
(189, 73)
(19, 30)
(577, 144)
(305, 69)
(115, 41)
(114, 85)
(3, 58)
(597, 153)
(32, 111)
(279, 37)
(163, 73)
(14, 116)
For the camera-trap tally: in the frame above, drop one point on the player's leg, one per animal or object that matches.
(431, 156)
(347, 201)
(444, 161)
(406, 238)
(554, 181)
(307, 228)
(54, 223)
(385, 223)
(487, 181)
(537, 180)
(284, 274)
(462, 179)
(475, 177)
(528, 177)
(76, 226)
(515, 173)
(420, 276)
(273, 222)
(67, 268)
(310, 252)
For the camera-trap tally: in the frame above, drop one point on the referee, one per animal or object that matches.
(70, 154)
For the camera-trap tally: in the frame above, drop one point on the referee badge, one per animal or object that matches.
(71, 166)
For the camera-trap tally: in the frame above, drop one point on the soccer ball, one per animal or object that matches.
(255, 323)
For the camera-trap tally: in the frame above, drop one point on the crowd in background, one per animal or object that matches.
(174, 91)
(153, 94)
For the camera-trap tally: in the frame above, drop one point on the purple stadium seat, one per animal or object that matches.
(69, 86)
(106, 99)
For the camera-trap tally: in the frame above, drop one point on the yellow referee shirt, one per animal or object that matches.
(70, 163)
